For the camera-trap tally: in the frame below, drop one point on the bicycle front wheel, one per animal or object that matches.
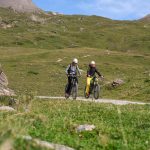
(75, 91)
(96, 91)
(67, 95)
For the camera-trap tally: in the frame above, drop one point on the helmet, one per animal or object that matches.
(75, 61)
(92, 63)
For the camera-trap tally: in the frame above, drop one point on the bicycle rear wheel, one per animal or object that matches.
(96, 91)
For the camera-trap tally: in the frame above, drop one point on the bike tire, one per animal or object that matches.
(75, 91)
(66, 96)
(96, 91)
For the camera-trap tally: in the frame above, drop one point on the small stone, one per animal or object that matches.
(6, 108)
(81, 29)
(85, 127)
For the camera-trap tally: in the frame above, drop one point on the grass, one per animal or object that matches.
(29, 54)
(37, 70)
(117, 127)
(61, 31)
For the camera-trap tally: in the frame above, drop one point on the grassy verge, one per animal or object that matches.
(117, 127)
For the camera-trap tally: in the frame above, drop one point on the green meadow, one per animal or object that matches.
(34, 55)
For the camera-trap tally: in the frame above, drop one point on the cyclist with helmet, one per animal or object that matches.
(92, 70)
(72, 69)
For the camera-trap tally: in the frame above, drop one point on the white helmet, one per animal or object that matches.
(92, 63)
(75, 61)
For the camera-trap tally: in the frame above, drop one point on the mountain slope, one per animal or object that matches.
(19, 5)
(146, 18)
(61, 31)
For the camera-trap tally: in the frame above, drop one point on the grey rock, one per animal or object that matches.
(20, 5)
(36, 18)
(117, 82)
(81, 29)
(3, 79)
(47, 145)
(146, 18)
(85, 127)
(4, 90)
(6, 108)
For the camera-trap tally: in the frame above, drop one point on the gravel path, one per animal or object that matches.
(111, 101)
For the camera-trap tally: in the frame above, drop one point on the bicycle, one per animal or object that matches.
(74, 87)
(95, 89)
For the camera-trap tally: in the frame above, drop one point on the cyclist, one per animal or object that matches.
(92, 70)
(72, 69)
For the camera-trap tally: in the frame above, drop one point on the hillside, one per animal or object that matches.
(42, 71)
(30, 39)
(60, 31)
(34, 52)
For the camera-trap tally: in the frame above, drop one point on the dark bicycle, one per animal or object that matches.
(94, 89)
(74, 87)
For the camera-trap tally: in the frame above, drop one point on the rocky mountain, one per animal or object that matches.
(19, 5)
(146, 18)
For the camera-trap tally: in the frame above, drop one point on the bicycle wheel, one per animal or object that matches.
(96, 91)
(75, 91)
(66, 95)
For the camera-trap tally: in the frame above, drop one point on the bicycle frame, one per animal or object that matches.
(74, 82)
(93, 83)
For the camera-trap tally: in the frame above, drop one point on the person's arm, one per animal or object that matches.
(88, 72)
(98, 73)
(67, 69)
(79, 72)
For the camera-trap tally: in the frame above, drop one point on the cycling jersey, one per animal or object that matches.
(91, 71)
(73, 70)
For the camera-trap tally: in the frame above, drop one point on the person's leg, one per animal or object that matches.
(92, 83)
(69, 85)
(88, 85)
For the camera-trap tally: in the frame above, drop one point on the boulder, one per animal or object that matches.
(45, 144)
(37, 19)
(4, 90)
(20, 5)
(6, 108)
(117, 82)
